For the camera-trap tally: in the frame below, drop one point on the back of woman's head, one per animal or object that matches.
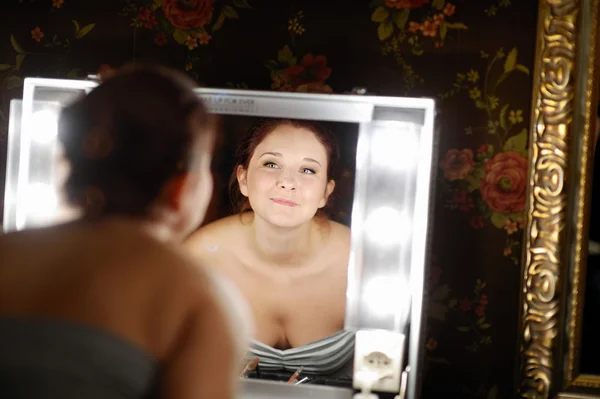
(128, 137)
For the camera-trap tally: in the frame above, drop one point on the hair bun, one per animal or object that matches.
(128, 136)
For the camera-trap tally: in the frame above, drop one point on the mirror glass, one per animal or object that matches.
(278, 227)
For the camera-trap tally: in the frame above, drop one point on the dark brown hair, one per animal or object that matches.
(128, 137)
(258, 133)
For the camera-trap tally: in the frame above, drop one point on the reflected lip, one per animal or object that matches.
(283, 201)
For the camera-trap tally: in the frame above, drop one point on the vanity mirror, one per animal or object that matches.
(387, 147)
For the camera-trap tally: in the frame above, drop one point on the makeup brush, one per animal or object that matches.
(250, 367)
(295, 375)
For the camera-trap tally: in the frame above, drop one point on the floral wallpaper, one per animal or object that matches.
(461, 53)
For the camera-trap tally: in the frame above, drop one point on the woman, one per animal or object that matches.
(289, 261)
(107, 306)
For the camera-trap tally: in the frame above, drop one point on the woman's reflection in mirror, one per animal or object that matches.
(286, 256)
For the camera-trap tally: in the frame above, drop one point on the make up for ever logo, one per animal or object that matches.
(230, 104)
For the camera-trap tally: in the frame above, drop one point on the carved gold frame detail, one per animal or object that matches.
(561, 136)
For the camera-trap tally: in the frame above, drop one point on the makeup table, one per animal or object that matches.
(261, 389)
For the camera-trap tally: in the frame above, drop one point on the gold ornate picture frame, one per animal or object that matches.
(565, 96)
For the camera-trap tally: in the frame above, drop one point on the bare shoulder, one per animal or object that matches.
(215, 238)
(143, 254)
(135, 254)
(109, 256)
(184, 293)
(171, 265)
(168, 274)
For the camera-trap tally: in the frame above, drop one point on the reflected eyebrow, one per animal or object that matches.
(275, 154)
(278, 154)
(312, 160)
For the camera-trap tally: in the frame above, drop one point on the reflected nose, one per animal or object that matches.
(286, 182)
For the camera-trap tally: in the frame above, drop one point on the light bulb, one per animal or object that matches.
(395, 146)
(386, 296)
(44, 126)
(41, 202)
(387, 226)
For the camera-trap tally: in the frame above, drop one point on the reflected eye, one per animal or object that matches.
(307, 171)
(270, 164)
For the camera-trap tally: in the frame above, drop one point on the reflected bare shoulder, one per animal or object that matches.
(216, 238)
(340, 242)
(335, 243)
(340, 235)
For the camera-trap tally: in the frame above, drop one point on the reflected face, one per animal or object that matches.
(286, 180)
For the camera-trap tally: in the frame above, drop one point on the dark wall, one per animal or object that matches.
(474, 57)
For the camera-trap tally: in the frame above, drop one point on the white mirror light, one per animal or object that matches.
(32, 147)
(36, 191)
(386, 294)
(44, 126)
(396, 145)
(41, 202)
(11, 202)
(389, 217)
(387, 226)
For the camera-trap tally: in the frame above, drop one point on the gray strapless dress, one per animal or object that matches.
(43, 358)
(331, 356)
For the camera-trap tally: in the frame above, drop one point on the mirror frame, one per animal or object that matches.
(563, 119)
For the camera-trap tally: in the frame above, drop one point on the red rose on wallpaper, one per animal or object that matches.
(505, 182)
(457, 164)
(399, 4)
(188, 14)
(315, 87)
(312, 69)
